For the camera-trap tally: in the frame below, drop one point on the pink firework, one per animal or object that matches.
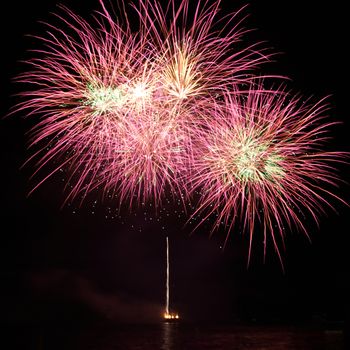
(259, 159)
(153, 155)
(90, 82)
(114, 106)
(191, 60)
(198, 50)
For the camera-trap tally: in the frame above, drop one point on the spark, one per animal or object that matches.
(194, 56)
(105, 99)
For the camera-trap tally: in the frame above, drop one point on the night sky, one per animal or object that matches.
(89, 263)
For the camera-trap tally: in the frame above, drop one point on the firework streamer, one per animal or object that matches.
(199, 51)
(261, 161)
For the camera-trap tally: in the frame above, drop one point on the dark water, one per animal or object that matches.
(177, 337)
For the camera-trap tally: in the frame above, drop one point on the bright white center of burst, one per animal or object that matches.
(104, 99)
(181, 94)
(253, 161)
(247, 161)
(182, 78)
(140, 91)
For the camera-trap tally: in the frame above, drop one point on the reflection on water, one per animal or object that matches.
(41, 342)
(168, 335)
(176, 336)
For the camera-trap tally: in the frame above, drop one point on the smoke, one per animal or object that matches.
(70, 288)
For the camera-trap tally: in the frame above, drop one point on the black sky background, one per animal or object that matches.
(84, 264)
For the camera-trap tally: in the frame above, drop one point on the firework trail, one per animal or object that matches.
(260, 161)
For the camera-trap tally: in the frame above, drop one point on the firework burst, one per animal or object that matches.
(90, 83)
(134, 113)
(150, 158)
(107, 95)
(197, 53)
(260, 160)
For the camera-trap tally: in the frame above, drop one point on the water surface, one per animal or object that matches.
(168, 336)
